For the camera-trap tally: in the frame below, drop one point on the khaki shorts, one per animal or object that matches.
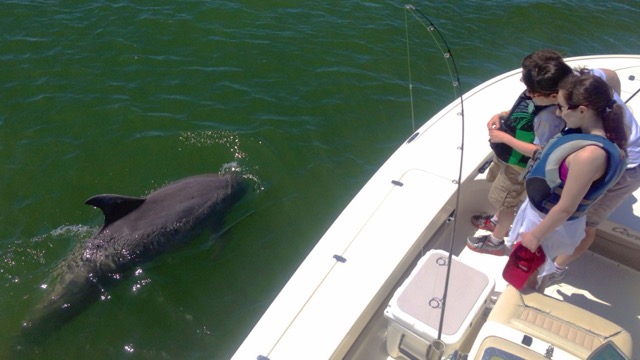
(507, 190)
(603, 207)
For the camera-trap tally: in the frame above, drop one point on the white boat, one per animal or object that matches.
(340, 303)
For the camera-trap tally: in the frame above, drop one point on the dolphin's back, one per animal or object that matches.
(169, 214)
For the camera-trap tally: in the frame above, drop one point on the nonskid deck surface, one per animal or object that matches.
(603, 287)
(593, 282)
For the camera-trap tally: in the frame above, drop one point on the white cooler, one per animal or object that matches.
(413, 313)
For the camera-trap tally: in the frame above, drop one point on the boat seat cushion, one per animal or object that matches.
(567, 326)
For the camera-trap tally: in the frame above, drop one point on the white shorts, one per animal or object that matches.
(561, 241)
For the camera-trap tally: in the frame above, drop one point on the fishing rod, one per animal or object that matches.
(438, 346)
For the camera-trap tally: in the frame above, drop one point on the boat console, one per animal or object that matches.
(526, 323)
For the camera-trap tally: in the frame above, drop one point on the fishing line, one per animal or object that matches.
(444, 47)
(413, 118)
(454, 75)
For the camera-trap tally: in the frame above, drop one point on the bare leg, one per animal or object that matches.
(505, 219)
(589, 238)
(532, 281)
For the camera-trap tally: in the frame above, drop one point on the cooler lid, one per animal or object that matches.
(421, 298)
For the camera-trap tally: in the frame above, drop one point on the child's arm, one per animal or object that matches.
(497, 136)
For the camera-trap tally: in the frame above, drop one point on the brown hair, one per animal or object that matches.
(594, 93)
(543, 70)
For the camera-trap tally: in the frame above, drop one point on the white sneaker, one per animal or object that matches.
(550, 279)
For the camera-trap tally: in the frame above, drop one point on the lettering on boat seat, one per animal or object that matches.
(568, 327)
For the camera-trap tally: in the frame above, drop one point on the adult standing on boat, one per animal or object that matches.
(628, 183)
(514, 136)
(573, 170)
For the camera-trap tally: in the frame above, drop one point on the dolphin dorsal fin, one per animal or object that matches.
(114, 207)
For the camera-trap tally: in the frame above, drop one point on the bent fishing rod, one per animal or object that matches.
(455, 78)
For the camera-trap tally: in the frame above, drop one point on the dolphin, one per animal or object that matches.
(136, 229)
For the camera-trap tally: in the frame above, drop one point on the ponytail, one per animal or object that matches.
(614, 126)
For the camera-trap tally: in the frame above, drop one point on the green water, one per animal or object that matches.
(308, 98)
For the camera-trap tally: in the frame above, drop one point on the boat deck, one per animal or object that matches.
(593, 282)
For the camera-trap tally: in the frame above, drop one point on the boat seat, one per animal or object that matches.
(566, 326)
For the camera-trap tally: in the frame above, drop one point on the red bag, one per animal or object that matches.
(521, 264)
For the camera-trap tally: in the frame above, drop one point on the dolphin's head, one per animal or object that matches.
(207, 197)
(238, 186)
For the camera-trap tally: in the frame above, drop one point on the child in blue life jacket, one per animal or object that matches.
(628, 183)
(574, 169)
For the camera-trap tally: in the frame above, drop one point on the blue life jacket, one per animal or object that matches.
(543, 182)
